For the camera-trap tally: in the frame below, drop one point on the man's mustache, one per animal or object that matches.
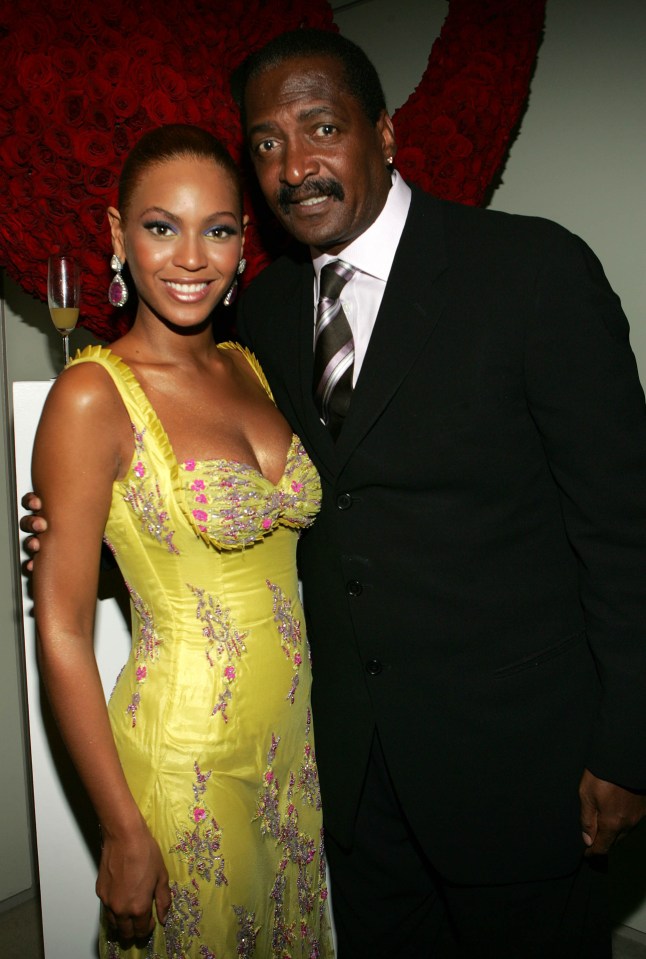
(295, 194)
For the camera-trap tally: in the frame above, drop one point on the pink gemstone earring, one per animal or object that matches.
(117, 291)
(232, 292)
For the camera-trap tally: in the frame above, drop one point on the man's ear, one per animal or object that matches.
(245, 224)
(386, 132)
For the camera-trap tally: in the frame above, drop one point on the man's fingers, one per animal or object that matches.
(130, 928)
(31, 502)
(33, 524)
(162, 904)
(589, 822)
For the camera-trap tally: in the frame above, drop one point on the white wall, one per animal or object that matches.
(15, 859)
(579, 159)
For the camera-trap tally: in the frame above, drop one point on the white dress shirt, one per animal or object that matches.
(372, 255)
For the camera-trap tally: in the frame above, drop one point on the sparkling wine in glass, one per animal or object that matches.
(64, 295)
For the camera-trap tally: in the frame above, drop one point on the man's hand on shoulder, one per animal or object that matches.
(32, 523)
(608, 812)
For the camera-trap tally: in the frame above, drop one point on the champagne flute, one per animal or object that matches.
(64, 295)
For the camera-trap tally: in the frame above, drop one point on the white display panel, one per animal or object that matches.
(66, 829)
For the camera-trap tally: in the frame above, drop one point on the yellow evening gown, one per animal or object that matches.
(211, 712)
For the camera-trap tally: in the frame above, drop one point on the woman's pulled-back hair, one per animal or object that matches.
(171, 142)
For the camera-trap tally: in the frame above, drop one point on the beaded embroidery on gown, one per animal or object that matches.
(211, 713)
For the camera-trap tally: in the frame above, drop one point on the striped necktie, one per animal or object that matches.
(333, 348)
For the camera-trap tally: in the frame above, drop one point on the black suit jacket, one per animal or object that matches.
(475, 584)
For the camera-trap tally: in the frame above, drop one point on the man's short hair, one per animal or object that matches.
(359, 75)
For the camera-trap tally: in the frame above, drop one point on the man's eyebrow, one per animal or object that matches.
(313, 112)
(270, 126)
(266, 127)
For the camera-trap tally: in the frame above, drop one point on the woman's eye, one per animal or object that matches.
(159, 229)
(221, 232)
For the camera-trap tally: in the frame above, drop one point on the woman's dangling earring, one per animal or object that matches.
(232, 292)
(117, 291)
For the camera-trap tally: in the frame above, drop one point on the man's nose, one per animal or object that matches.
(298, 163)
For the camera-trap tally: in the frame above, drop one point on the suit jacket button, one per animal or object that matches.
(354, 588)
(344, 501)
(373, 667)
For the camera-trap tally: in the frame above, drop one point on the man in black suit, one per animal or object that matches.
(475, 585)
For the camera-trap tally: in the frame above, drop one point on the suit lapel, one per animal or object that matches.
(413, 302)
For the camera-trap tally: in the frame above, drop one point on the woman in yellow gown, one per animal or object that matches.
(202, 768)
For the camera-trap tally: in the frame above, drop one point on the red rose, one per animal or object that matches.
(47, 184)
(12, 96)
(67, 61)
(141, 75)
(15, 151)
(58, 139)
(7, 124)
(58, 9)
(73, 235)
(98, 89)
(170, 82)
(72, 109)
(33, 32)
(410, 161)
(207, 105)
(120, 140)
(92, 56)
(115, 66)
(159, 107)
(99, 119)
(99, 181)
(35, 70)
(443, 126)
(21, 189)
(194, 71)
(199, 85)
(55, 208)
(124, 100)
(417, 129)
(471, 193)
(487, 123)
(125, 18)
(138, 122)
(190, 112)
(98, 264)
(87, 17)
(28, 123)
(93, 147)
(156, 31)
(76, 194)
(46, 100)
(459, 146)
(448, 178)
(94, 219)
(73, 170)
(142, 48)
(467, 119)
(183, 61)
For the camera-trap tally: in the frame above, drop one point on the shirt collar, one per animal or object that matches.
(374, 250)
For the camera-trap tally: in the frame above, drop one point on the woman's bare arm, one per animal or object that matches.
(81, 447)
